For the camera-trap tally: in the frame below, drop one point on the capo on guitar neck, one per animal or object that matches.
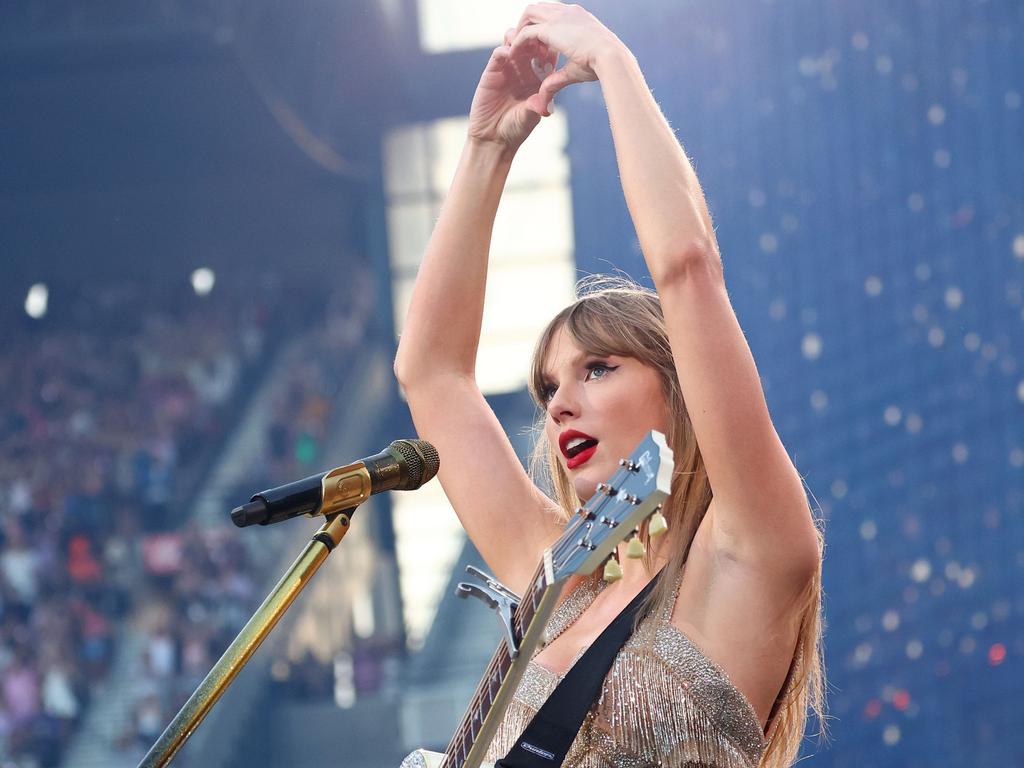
(493, 583)
(496, 596)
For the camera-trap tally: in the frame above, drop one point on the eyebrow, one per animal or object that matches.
(577, 359)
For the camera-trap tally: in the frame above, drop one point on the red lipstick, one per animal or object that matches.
(581, 458)
(583, 447)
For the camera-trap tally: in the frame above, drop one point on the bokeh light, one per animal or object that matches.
(37, 300)
(203, 280)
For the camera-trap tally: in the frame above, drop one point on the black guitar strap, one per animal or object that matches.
(553, 729)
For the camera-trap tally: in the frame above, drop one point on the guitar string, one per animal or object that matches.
(568, 621)
(583, 521)
(501, 654)
(563, 550)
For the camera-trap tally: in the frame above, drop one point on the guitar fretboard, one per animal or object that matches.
(491, 683)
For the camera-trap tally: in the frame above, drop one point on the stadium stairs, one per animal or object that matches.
(380, 729)
(226, 730)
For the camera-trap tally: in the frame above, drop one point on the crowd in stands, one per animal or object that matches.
(209, 590)
(110, 416)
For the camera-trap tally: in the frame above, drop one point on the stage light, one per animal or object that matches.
(997, 654)
(868, 530)
(36, 301)
(901, 699)
(819, 400)
(811, 346)
(914, 649)
(890, 621)
(892, 415)
(921, 570)
(862, 654)
(891, 735)
(960, 453)
(203, 280)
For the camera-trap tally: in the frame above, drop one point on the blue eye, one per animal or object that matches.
(599, 370)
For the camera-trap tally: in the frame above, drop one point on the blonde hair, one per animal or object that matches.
(615, 316)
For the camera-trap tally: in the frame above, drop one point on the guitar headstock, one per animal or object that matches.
(619, 506)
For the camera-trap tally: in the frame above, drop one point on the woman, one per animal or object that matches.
(723, 668)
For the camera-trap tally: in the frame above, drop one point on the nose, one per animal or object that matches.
(564, 404)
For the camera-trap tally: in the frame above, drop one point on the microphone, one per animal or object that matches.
(404, 465)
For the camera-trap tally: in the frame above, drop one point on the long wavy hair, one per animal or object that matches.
(615, 316)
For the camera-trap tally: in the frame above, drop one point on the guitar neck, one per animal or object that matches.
(631, 495)
(497, 686)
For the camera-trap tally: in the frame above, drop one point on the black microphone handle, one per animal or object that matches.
(403, 465)
(304, 497)
(273, 505)
(301, 497)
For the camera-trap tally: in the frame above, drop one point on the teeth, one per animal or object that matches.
(577, 445)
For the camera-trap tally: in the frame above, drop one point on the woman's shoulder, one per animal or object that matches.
(743, 633)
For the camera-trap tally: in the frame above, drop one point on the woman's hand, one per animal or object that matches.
(505, 106)
(568, 30)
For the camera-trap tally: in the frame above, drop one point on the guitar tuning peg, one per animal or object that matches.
(657, 525)
(635, 548)
(612, 569)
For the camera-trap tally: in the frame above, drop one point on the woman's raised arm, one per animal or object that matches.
(761, 508)
(505, 515)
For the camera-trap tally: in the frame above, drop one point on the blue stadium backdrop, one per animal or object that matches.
(864, 163)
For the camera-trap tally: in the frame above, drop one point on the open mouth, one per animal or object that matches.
(577, 447)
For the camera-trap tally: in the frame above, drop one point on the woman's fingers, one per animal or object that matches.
(499, 59)
(540, 102)
(535, 34)
(530, 53)
(537, 12)
(555, 82)
(550, 59)
(544, 59)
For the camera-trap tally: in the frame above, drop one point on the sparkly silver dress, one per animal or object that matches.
(664, 703)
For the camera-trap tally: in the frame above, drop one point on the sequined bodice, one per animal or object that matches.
(664, 703)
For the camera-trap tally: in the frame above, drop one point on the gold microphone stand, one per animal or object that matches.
(343, 490)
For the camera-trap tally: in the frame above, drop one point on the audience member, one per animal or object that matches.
(111, 417)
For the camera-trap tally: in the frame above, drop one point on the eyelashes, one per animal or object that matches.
(596, 369)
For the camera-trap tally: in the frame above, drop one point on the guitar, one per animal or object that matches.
(634, 493)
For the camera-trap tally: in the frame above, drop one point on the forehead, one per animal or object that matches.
(562, 350)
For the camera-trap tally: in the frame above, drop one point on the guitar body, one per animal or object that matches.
(423, 758)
